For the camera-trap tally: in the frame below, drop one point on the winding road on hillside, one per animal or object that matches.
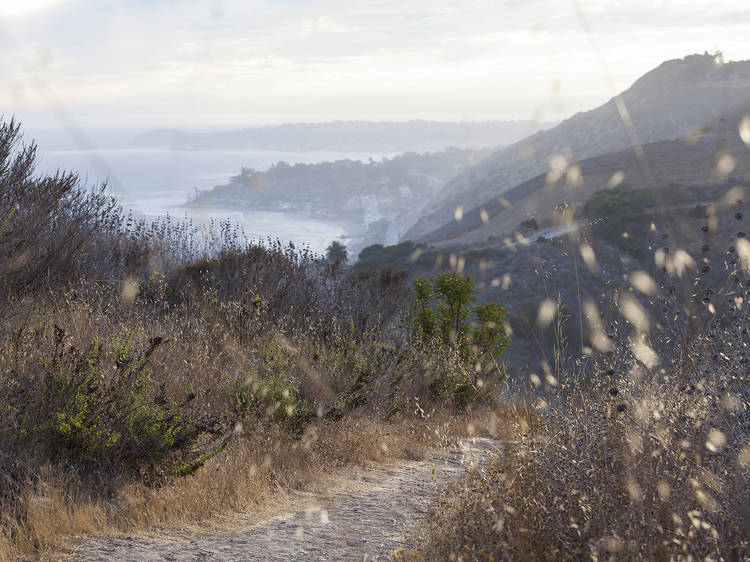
(366, 516)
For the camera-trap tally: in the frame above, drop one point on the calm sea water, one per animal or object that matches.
(154, 182)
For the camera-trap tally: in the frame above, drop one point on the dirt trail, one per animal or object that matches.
(364, 518)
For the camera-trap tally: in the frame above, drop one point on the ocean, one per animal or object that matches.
(154, 182)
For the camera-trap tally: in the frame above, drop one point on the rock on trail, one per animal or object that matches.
(364, 518)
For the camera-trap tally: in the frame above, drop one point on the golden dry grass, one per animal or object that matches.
(256, 472)
(634, 464)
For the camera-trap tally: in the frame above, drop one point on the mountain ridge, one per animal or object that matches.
(673, 162)
(401, 136)
(666, 103)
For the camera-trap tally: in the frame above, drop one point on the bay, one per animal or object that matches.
(154, 182)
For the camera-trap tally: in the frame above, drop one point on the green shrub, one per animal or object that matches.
(102, 405)
(454, 293)
(269, 392)
(489, 334)
(424, 317)
(458, 383)
(442, 317)
(617, 214)
(377, 255)
(442, 307)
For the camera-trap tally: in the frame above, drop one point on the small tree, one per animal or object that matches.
(442, 314)
(450, 315)
(490, 337)
(424, 316)
(454, 292)
(336, 253)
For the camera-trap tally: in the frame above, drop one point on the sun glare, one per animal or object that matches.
(15, 8)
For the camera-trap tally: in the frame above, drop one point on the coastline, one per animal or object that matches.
(352, 232)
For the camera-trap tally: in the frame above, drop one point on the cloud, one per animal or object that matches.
(216, 62)
(24, 8)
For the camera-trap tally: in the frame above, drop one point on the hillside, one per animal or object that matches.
(136, 353)
(350, 136)
(666, 103)
(683, 162)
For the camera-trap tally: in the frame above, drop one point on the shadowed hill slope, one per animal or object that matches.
(666, 103)
(687, 162)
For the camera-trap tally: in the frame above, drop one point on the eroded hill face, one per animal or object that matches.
(667, 103)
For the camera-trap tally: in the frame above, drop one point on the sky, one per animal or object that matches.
(221, 64)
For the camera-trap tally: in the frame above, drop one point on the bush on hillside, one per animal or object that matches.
(377, 255)
(616, 216)
(52, 230)
(442, 315)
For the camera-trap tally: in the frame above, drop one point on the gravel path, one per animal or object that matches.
(364, 518)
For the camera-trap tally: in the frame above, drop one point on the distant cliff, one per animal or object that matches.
(350, 136)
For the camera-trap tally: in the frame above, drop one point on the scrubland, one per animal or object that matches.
(156, 374)
(163, 374)
(637, 447)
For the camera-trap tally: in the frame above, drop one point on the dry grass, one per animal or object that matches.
(163, 374)
(638, 451)
(588, 482)
(66, 478)
(256, 472)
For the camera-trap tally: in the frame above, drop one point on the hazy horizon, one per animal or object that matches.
(231, 64)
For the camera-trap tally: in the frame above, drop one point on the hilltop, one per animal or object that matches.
(690, 162)
(667, 103)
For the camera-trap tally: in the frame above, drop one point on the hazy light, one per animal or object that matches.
(716, 440)
(643, 282)
(589, 257)
(599, 338)
(745, 129)
(743, 250)
(679, 263)
(574, 177)
(12, 8)
(616, 179)
(546, 313)
(725, 163)
(633, 311)
(643, 352)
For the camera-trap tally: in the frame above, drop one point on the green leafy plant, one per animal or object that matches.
(424, 321)
(617, 214)
(490, 336)
(269, 392)
(454, 293)
(103, 405)
(476, 336)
